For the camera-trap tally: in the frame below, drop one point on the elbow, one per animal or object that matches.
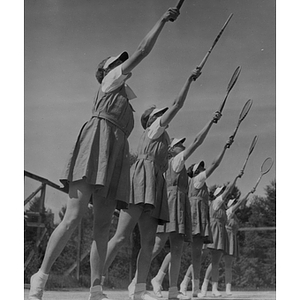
(215, 164)
(178, 104)
(142, 51)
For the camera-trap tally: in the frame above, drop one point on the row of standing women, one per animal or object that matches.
(98, 167)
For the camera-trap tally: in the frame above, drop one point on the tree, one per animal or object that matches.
(257, 264)
(31, 234)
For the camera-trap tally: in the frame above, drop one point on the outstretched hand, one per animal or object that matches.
(171, 14)
(217, 116)
(195, 73)
(241, 174)
(229, 142)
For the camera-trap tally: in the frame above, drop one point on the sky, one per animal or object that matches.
(50, 50)
(65, 40)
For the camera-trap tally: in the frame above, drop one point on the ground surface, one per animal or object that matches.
(123, 295)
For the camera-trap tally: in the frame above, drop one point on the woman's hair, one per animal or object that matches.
(101, 72)
(145, 117)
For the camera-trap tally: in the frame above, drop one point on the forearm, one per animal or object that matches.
(150, 39)
(198, 140)
(177, 104)
(218, 160)
(239, 203)
(230, 188)
(145, 46)
(179, 101)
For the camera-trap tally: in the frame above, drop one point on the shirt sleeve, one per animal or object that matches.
(178, 162)
(217, 203)
(155, 129)
(229, 213)
(113, 80)
(199, 180)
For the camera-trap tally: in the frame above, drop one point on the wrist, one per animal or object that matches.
(164, 19)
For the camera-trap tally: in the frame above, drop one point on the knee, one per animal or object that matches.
(157, 248)
(70, 224)
(119, 240)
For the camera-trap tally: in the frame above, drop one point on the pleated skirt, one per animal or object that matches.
(101, 157)
(179, 214)
(220, 237)
(200, 219)
(148, 187)
(233, 247)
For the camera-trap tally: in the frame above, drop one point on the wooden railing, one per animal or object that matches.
(41, 228)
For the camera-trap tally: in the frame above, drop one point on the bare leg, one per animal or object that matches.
(127, 220)
(79, 196)
(228, 259)
(165, 264)
(196, 255)
(215, 261)
(196, 258)
(176, 243)
(161, 239)
(103, 211)
(147, 226)
(185, 282)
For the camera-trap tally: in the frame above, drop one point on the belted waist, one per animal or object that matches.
(103, 115)
(152, 159)
(177, 187)
(147, 157)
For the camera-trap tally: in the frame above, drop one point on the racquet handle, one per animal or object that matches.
(178, 6)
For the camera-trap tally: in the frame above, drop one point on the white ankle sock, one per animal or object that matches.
(102, 280)
(160, 276)
(186, 280)
(42, 275)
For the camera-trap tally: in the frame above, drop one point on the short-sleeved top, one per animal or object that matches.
(153, 145)
(115, 79)
(218, 210)
(112, 101)
(176, 174)
(232, 220)
(198, 187)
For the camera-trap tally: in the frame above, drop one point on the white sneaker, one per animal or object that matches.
(202, 294)
(157, 288)
(37, 285)
(215, 291)
(183, 288)
(142, 296)
(180, 296)
(228, 289)
(216, 294)
(131, 288)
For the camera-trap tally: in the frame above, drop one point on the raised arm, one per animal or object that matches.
(241, 201)
(201, 137)
(179, 101)
(231, 186)
(149, 41)
(218, 160)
